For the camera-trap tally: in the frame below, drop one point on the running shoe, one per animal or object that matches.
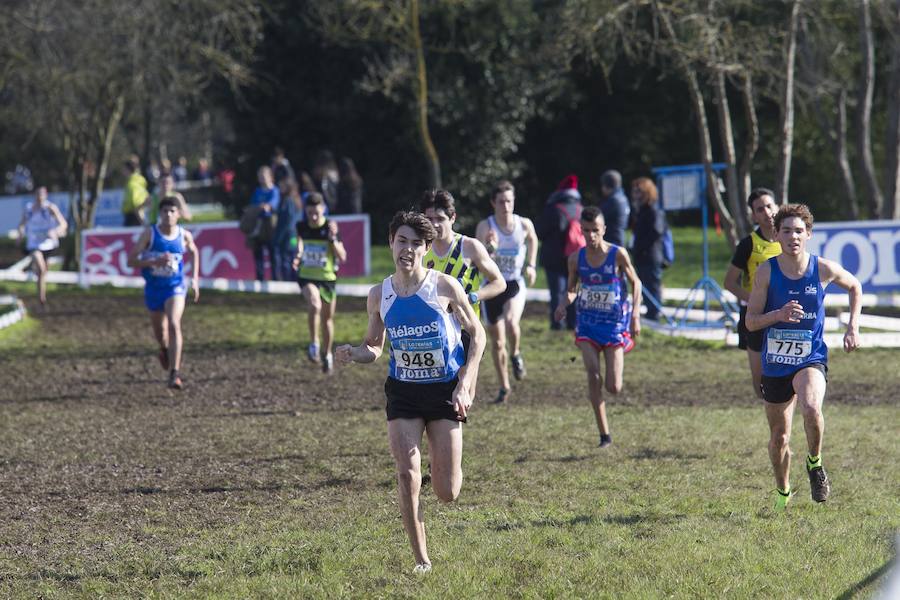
(819, 484)
(328, 364)
(175, 380)
(422, 568)
(163, 357)
(518, 365)
(312, 351)
(605, 440)
(782, 500)
(502, 397)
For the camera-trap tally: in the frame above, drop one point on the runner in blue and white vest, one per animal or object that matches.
(159, 253)
(787, 302)
(597, 275)
(512, 242)
(41, 227)
(423, 313)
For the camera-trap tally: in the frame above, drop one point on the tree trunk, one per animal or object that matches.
(837, 134)
(783, 175)
(892, 144)
(727, 134)
(431, 155)
(864, 112)
(699, 108)
(107, 134)
(752, 142)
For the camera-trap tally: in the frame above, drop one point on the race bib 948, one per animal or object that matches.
(419, 359)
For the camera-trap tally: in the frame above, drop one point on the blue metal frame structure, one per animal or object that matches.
(706, 286)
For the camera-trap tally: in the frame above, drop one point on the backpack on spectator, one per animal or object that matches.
(668, 247)
(573, 239)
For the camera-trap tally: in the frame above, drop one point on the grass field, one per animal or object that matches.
(266, 478)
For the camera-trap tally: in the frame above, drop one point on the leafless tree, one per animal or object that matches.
(783, 176)
(864, 111)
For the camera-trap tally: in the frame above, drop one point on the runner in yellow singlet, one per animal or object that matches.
(752, 251)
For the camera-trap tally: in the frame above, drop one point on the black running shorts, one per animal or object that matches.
(752, 340)
(778, 390)
(326, 288)
(427, 401)
(493, 308)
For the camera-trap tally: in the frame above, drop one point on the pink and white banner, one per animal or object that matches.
(223, 250)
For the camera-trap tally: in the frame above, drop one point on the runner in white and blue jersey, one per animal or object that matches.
(606, 321)
(787, 302)
(423, 313)
(41, 228)
(512, 243)
(159, 253)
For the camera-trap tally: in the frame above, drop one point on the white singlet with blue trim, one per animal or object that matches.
(510, 253)
(38, 225)
(426, 342)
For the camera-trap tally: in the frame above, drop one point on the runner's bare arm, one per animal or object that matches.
(531, 245)
(373, 344)
(623, 261)
(191, 247)
(134, 260)
(299, 256)
(732, 283)
(571, 287)
(63, 225)
(340, 253)
(791, 312)
(489, 269)
(832, 272)
(483, 234)
(450, 289)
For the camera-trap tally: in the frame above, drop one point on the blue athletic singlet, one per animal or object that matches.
(172, 273)
(790, 347)
(425, 340)
(38, 225)
(603, 311)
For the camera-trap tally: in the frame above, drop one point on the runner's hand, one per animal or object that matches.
(560, 313)
(635, 325)
(491, 240)
(530, 275)
(792, 312)
(296, 262)
(851, 339)
(461, 400)
(195, 283)
(343, 354)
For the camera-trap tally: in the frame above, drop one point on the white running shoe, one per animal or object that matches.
(422, 568)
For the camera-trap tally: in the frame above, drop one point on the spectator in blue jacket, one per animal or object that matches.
(614, 206)
(267, 198)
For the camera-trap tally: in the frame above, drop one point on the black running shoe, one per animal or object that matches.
(605, 440)
(502, 397)
(175, 380)
(518, 365)
(819, 484)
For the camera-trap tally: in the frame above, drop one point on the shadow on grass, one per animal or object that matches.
(654, 454)
(874, 576)
(220, 489)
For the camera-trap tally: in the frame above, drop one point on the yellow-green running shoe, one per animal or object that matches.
(782, 500)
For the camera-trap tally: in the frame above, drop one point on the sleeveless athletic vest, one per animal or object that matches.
(456, 265)
(172, 273)
(790, 347)
(761, 250)
(510, 253)
(317, 263)
(425, 340)
(602, 308)
(37, 229)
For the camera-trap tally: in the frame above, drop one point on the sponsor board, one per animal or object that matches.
(868, 249)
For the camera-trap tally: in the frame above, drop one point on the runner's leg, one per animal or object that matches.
(314, 308)
(755, 362)
(498, 352)
(780, 418)
(328, 310)
(174, 310)
(405, 436)
(615, 364)
(445, 452)
(591, 358)
(160, 328)
(39, 265)
(809, 384)
(512, 316)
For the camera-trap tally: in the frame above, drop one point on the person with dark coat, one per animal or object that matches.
(649, 229)
(562, 206)
(349, 188)
(614, 206)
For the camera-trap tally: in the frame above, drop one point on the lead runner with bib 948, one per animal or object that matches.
(423, 312)
(788, 302)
